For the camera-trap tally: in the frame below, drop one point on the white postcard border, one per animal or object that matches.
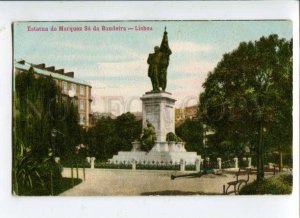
(196, 206)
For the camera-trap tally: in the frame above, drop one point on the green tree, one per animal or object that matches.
(33, 123)
(101, 139)
(39, 111)
(248, 97)
(109, 136)
(127, 130)
(69, 134)
(191, 132)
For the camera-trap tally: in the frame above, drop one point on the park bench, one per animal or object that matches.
(268, 170)
(236, 184)
(271, 170)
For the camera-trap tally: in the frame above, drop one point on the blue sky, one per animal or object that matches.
(115, 62)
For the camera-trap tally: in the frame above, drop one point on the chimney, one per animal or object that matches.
(21, 62)
(52, 69)
(70, 74)
(60, 71)
(40, 66)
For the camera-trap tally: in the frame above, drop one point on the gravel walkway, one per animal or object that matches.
(107, 182)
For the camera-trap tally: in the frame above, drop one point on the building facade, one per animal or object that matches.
(96, 116)
(183, 114)
(78, 90)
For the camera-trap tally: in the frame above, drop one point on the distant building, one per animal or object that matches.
(78, 90)
(183, 114)
(138, 115)
(98, 116)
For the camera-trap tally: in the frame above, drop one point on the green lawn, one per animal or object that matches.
(59, 187)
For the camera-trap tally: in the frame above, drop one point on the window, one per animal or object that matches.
(74, 101)
(82, 119)
(73, 87)
(65, 87)
(81, 90)
(81, 105)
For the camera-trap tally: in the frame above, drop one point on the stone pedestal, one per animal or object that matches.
(159, 110)
(249, 162)
(160, 146)
(219, 160)
(198, 164)
(93, 162)
(236, 163)
(133, 163)
(172, 146)
(162, 157)
(136, 146)
(88, 159)
(182, 165)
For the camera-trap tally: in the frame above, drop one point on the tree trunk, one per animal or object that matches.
(280, 159)
(260, 159)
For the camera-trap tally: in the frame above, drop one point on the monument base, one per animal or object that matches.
(162, 153)
(159, 109)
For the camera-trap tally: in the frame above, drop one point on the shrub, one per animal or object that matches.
(173, 137)
(157, 167)
(277, 185)
(286, 178)
(141, 166)
(75, 163)
(112, 166)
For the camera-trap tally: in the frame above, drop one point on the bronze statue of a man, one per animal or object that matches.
(158, 64)
(153, 70)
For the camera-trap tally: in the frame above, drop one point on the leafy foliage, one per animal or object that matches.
(191, 132)
(27, 173)
(281, 184)
(39, 109)
(173, 137)
(248, 99)
(109, 136)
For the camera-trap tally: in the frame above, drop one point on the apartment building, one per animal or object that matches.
(78, 90)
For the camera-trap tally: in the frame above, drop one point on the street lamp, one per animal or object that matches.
(204, 135)
(204, 140)
(53, 135)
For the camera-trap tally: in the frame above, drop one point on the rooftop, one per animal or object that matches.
(50, 71)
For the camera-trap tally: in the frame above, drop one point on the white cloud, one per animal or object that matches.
(188, 82)
(97, 84)
(187, 90)
(117, 97)
(69, 45)
(123, 62)
(189, 47)
(129, 68)
(126, 62)
(119, 100)
(193, 67)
